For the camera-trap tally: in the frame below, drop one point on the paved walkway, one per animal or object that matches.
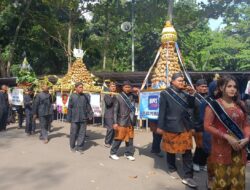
(28, 164)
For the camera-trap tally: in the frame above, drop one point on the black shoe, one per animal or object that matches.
(107, 145)
(80, 151)
(173, 174)
(73, 150)
(189, 182)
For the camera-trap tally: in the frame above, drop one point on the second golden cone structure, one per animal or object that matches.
(167, 63)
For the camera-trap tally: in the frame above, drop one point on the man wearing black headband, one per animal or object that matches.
(200, 156)
(41, 109)
(175, 125)
(109, 100)
(28, 102)
(79, 111)
(4, 107)
(124, 121)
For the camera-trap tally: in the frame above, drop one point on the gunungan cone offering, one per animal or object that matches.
(167, 63)
(77, 73)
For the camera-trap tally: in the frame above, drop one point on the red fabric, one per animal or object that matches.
(221, 150)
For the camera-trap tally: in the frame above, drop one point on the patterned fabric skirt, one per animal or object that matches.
(176, 142)
(230, 177)
(124, 133)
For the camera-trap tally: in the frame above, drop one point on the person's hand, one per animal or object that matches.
(115, 126)
(190, 90)
(112, 94)
(136, 90)
(233, 142)
(159, 131)
(243, 142)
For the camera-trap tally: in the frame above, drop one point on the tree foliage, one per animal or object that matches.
(50, 29)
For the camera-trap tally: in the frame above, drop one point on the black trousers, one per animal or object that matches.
(3, 120)
(20, 116)
(30, 123)
(77, 135)
(156, 145)
(187, 163)
(44, 125)
(200, 157)
(50, 121)
(108, 123)
(129, 150)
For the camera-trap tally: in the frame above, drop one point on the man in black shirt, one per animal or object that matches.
(42, 105)
(109, 100)
(79, 111)
(28, 101)
(4, 107)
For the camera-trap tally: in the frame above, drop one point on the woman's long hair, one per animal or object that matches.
(222, 83)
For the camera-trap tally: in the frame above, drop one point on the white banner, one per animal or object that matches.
(16, 97)
(247, 91)
(95, 102)
(62, 99)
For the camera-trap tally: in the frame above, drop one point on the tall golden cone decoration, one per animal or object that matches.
(77, 73)
(167, 63)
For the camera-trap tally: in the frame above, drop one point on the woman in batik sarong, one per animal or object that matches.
(228, 154)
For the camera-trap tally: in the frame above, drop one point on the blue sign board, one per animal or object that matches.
(149, 105)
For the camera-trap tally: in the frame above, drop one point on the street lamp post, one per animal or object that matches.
(132, 35)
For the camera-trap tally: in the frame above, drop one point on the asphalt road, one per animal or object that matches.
(28, 164)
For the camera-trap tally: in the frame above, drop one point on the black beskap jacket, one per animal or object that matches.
(171, 115)
(79, 109)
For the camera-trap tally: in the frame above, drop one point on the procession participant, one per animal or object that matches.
(156, 144)
(109, 100)
(42, 105)
(175, 125)
(79, 111)
(212, 86)
(4, 107)
(51, 110)
(228, 154)
(200, 156)
(20, 115)
(28, 102)
(124, 121)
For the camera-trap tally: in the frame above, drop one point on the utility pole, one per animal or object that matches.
(133, 34)
(170, 10)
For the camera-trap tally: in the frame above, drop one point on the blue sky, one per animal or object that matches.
(213, 23)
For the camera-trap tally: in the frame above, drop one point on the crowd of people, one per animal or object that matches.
(213, 115)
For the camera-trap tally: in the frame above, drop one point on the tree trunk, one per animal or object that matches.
(113, 63)
(69, 41)
(13, 44)
(170, 10)
(105, 50)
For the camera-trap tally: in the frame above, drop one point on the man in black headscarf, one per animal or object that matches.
(175, 125)
(79, 111)
(200, 156)
(4, 107)
(109, 100)
(42, 105)
(124, 121)
(28, 102)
